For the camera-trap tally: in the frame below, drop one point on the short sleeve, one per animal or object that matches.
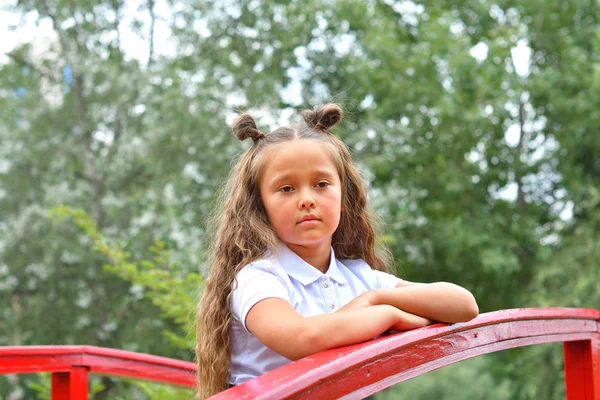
(372, 278)
(255, 283)
(383, 280)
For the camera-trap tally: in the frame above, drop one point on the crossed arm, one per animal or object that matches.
(440, 301)
(410, 305)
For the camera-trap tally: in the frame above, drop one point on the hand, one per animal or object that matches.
(366, 299)
(410, 321)
(440, 301)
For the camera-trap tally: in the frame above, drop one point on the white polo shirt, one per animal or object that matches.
(287, 276)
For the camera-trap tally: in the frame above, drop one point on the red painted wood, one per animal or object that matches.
(359, 370)
(30, 359)
(582, 369)
(72, 385)
(349, 372)
(60, 385)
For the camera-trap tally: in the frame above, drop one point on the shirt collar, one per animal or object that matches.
(302, 271)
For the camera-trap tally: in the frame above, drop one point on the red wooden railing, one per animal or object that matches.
(70, 366)
(356, 371)
(350, 372)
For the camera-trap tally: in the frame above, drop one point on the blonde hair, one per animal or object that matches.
(244, 234)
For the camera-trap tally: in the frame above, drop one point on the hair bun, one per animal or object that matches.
(323, 117)
(244, 127)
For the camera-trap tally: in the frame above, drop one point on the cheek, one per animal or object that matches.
(339, 199)
(272, 209)
(271, 215)
(267, 203)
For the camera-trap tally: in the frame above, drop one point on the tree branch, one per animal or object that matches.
(521, 150)
(129, 179)
(45, 73)
(152, 23)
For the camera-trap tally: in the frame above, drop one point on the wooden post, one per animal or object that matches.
(582, 369)
(71, 385)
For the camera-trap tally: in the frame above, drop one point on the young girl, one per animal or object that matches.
(294, 268)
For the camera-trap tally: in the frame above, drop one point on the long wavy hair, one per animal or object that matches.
(242, 232)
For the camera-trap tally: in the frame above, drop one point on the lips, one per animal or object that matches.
(309, 218)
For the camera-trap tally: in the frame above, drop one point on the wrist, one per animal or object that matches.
(395, 315)
(374, 297)
(394, 297)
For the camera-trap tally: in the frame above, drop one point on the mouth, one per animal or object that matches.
(307, 218)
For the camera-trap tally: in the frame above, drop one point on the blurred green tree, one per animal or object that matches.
(474, 122)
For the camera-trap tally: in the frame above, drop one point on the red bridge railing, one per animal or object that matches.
(351, 372)
(70, 366)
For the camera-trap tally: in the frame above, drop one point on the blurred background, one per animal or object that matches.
(475, 124)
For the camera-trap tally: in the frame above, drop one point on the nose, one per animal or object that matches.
(306, 201)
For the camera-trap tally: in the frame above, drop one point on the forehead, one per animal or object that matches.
(298, 157)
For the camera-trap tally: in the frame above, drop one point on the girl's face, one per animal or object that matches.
(301, 191)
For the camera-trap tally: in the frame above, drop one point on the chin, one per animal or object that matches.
(307, 242)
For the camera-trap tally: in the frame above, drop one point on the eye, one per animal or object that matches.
(286, 189)
(322, 184)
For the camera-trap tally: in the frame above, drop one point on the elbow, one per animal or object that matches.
(308, 342)
(470, 310)
(465, 306)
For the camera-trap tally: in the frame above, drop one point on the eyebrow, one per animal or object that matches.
(319, 172)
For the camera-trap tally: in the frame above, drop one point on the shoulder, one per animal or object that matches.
(357, 267)
(258, 270)
(373, 278)
(359, 263)
(257, 281)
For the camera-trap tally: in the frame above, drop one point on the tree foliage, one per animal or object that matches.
(474, 123)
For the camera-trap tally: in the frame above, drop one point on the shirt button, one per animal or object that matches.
(331, 305)
(325, 284)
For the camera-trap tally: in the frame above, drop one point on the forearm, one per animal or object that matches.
(441, 301)
(327, 331)
(278, 326)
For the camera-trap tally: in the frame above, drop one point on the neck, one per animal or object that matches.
(317, 255)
